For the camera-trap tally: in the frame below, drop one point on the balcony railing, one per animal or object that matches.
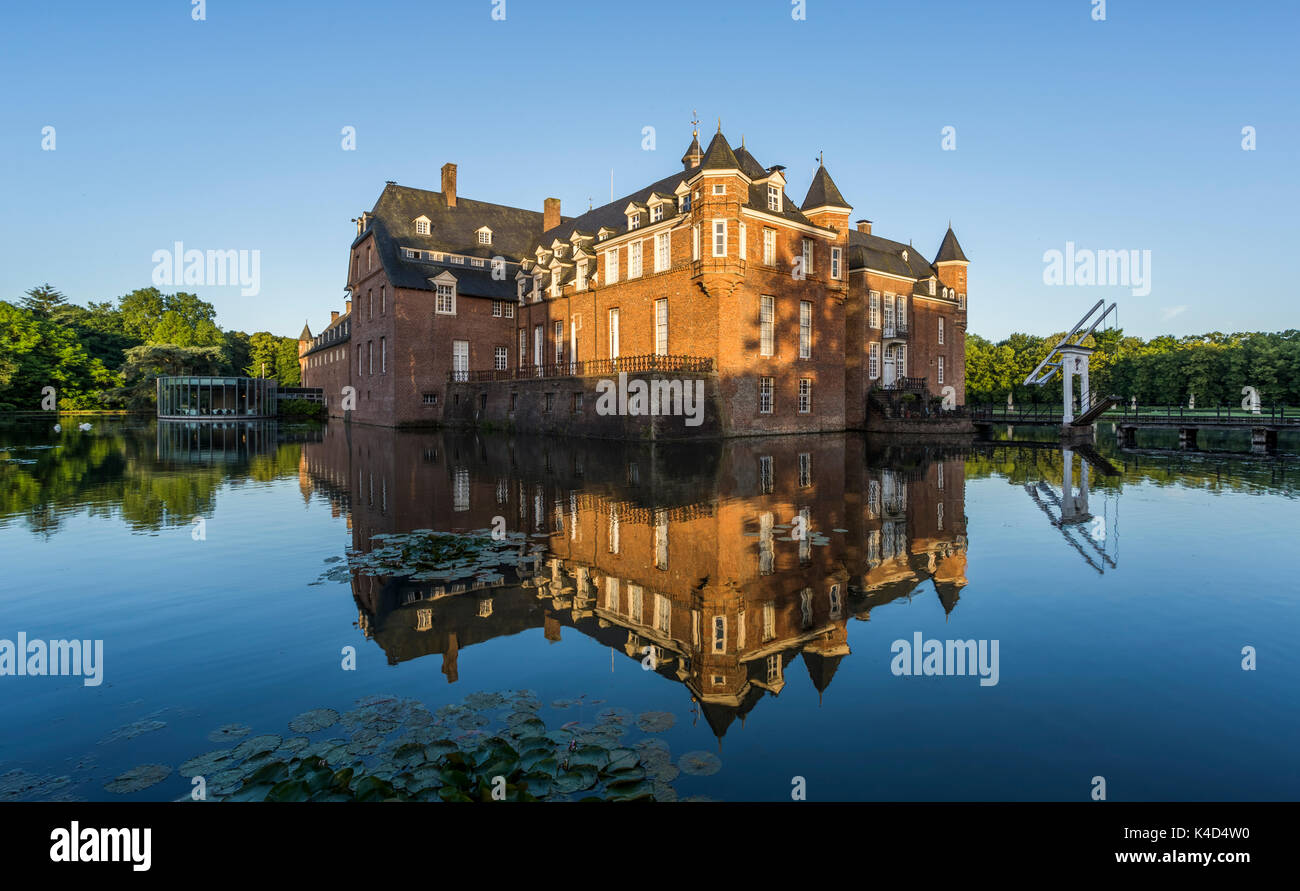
(896, 331)
(589, 368)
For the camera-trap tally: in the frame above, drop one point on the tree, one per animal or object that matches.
(147, 362)
(43, 299)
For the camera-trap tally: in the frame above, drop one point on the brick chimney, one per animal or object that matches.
(334, 316)
(347, 306)
(864, 226)
(449, 183)
(550, 214)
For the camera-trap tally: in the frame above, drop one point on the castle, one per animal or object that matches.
(465, 312)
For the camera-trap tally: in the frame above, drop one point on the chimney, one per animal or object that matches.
(864, 226)
(550, 214)
(334, 316)
(347, 306)
(449, 183)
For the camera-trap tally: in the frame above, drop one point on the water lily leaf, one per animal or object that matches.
(452, 793)
(538, 784)
(256, 745)
(409, 755)
(664, 792)
(655, 722)
(272, 772)
(226, 781)
(630, 790)
(251, 793)
(621, 759)
(289, 790)
(138, 778)
(316, 719)
(293, 745)
(592, 756)
(484, 701)
(699, 764)
(439, 748)
(206, 764)
(576, 779)
(530, 728)
(229, 732)
(131, 731)
(372, 788)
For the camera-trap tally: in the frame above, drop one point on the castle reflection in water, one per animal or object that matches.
(678, 556)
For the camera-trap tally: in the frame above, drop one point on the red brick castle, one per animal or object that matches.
(464, 312)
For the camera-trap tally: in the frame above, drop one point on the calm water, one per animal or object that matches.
(667, 579)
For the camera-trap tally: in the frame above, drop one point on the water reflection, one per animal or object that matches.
(713, 565)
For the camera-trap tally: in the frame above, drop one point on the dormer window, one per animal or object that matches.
(484, 235)
(945, 290)
(774, 198)
(634, 221)
(904, 256)
(422, 225)
(684, 202)
(656, 213)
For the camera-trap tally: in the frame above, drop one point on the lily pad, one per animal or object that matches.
(576, 779)
(229, 732)
(699, 764)
(209, 763)
(256, 745)
(138, 778)
(655, 722)
(314, 720)
(485, 701)
(131, 731)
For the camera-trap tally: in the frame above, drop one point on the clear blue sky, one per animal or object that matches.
(225, 134)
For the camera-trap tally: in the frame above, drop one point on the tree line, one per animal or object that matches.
(106, 355)
(1165, 370)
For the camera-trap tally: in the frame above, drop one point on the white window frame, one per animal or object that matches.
(873, 361)
(719, 245)
(807, 256)
(663, 251)
(769, 246)
(835, 263)
(523, 347)
(634, 259)
(695, 242)
(460, 359)
(422, 227)
(661, 326)
(501, 358)
(766, 326)
(805, 329)
(496, 309)
(611, 266)
(613, 332)
(449, 296)
(873, 313)
(719, 188)
(580, 282)
(765, 395)
(941, 369)
(656, 213)
(559, 342)
(743, 239)
(485, 235)
(805, 395)
(940, 330)
(773, 197)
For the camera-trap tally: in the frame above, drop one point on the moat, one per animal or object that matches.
(736, 604)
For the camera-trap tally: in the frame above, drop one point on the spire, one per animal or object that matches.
(694, 154)
(950, 251)
(306, 332)
(823, 192)
(719, 155)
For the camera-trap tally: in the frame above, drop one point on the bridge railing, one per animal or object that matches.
(1273, 415)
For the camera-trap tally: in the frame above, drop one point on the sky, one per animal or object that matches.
(226, 133)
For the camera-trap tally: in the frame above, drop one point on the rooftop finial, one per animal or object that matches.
(695, 123)
(821, 159)
(719, 125)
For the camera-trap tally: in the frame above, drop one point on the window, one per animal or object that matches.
(370, 356)
(500, 358)
(661, 326)
(656, 213)
(460, 359)
(370, 303)
(684, 202)
(611, 593)
(613, 333)
(663, 252)
(485, 236)
(580, 281)
(835, 262)
(805, 329)
(769, 620)
(550, 403)
(766, 324)
(774, 198)
(514, 402)
(559, 342)
(766, 544)
(446, 300)
(941, 369)
(496, 309)
(575, 406)
(719, 189)
(430, 398)
(807, 256)
(940, 330)
(510, 310)
(611, 266)
(945, 290)
(769, 247)
(873, 367)
(695, 242)
(539, 336)
(555, 281)
(383, 355)
(805, 395)
(523, 347)
(383, 300)
(765, 395)
(961, 301)
(661, 541)
(719, 634)
(634, 259)
(743, 251)
(719, 238)
(358, 360)
(805, 469)
(422, 226)
(873, 316)
(634, 221)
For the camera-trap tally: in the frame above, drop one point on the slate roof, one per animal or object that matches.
(719, 156)
(306, 332)
(454, 230)
(950, 249)
(823, 192)
(887, 256)
(749, 164)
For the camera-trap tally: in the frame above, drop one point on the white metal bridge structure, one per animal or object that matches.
(1070, 358)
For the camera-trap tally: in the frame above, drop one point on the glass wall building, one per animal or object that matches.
(216, 397)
